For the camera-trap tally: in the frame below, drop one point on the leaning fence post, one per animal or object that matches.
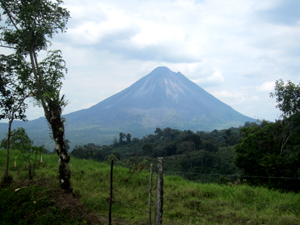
(150, 190)
(111, 191)
(159, 193)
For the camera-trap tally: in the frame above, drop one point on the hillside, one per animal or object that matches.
(185, 202)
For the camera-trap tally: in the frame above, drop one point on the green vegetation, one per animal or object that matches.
(273, 149)
(40, 201)
(199, 156)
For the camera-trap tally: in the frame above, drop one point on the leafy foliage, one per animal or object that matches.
(288, 97)
(14, 75)
(13, 92)
(32, 23)
(272, 149)
(259, 155)
(29, 26)
(88, 151)
(20, 141)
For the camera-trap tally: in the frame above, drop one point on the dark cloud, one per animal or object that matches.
(286, 12)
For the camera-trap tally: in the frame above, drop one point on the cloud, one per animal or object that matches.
(228, 96)
(212, 79)
(266, 87)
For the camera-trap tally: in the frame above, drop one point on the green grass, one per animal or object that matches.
(185, 202)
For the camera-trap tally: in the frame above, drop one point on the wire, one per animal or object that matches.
(231, 175)
(229, 203)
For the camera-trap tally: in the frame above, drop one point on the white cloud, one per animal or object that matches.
(254, 98)
(209, 79)
(232, 98)
(266, 86)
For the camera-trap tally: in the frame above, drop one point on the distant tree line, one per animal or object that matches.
(201, 152)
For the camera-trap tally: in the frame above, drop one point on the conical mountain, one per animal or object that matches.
(160, 99)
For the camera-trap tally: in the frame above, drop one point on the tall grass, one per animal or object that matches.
(185, 202)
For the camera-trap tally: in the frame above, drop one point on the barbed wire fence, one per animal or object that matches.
(163, 197)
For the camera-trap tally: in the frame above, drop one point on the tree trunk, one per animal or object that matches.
(54, 118)
(52, 110)
(5, 177)
(29, 170)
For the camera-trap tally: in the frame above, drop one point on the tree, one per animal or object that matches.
(21, 141)
(186, 147)
(260, 156)
(159, 132)
(13, 69)
(287, 97)
(128, 138)
(271, 150)
(122, 136)
(29, 26)
(288, 101)
(194, 138)
(147, 149)
(88, 151)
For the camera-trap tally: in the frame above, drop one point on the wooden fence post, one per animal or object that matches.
(159, 193)
(150, 190)
(111, 190)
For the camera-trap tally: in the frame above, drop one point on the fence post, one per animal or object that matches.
(159, 193)
(150, 190)
(111, 190)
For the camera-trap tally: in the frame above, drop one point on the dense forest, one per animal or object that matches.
(191, 154)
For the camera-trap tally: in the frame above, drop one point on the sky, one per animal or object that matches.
(233, 49)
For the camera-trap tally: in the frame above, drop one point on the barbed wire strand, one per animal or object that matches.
(231, 203)
(229, 175)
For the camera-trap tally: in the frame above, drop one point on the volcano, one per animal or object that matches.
(160, 99)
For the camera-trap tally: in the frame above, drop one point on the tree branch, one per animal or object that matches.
(9, 15)
(6, 46)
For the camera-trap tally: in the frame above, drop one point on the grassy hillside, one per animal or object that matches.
(41, 202)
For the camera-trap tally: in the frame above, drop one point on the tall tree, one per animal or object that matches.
(271, 150)
(13, 69)
(128, 138)
(122, 136)
(288, 101)
(29, 26)
(287, 97)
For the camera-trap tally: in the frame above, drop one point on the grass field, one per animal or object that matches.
(42, 202)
